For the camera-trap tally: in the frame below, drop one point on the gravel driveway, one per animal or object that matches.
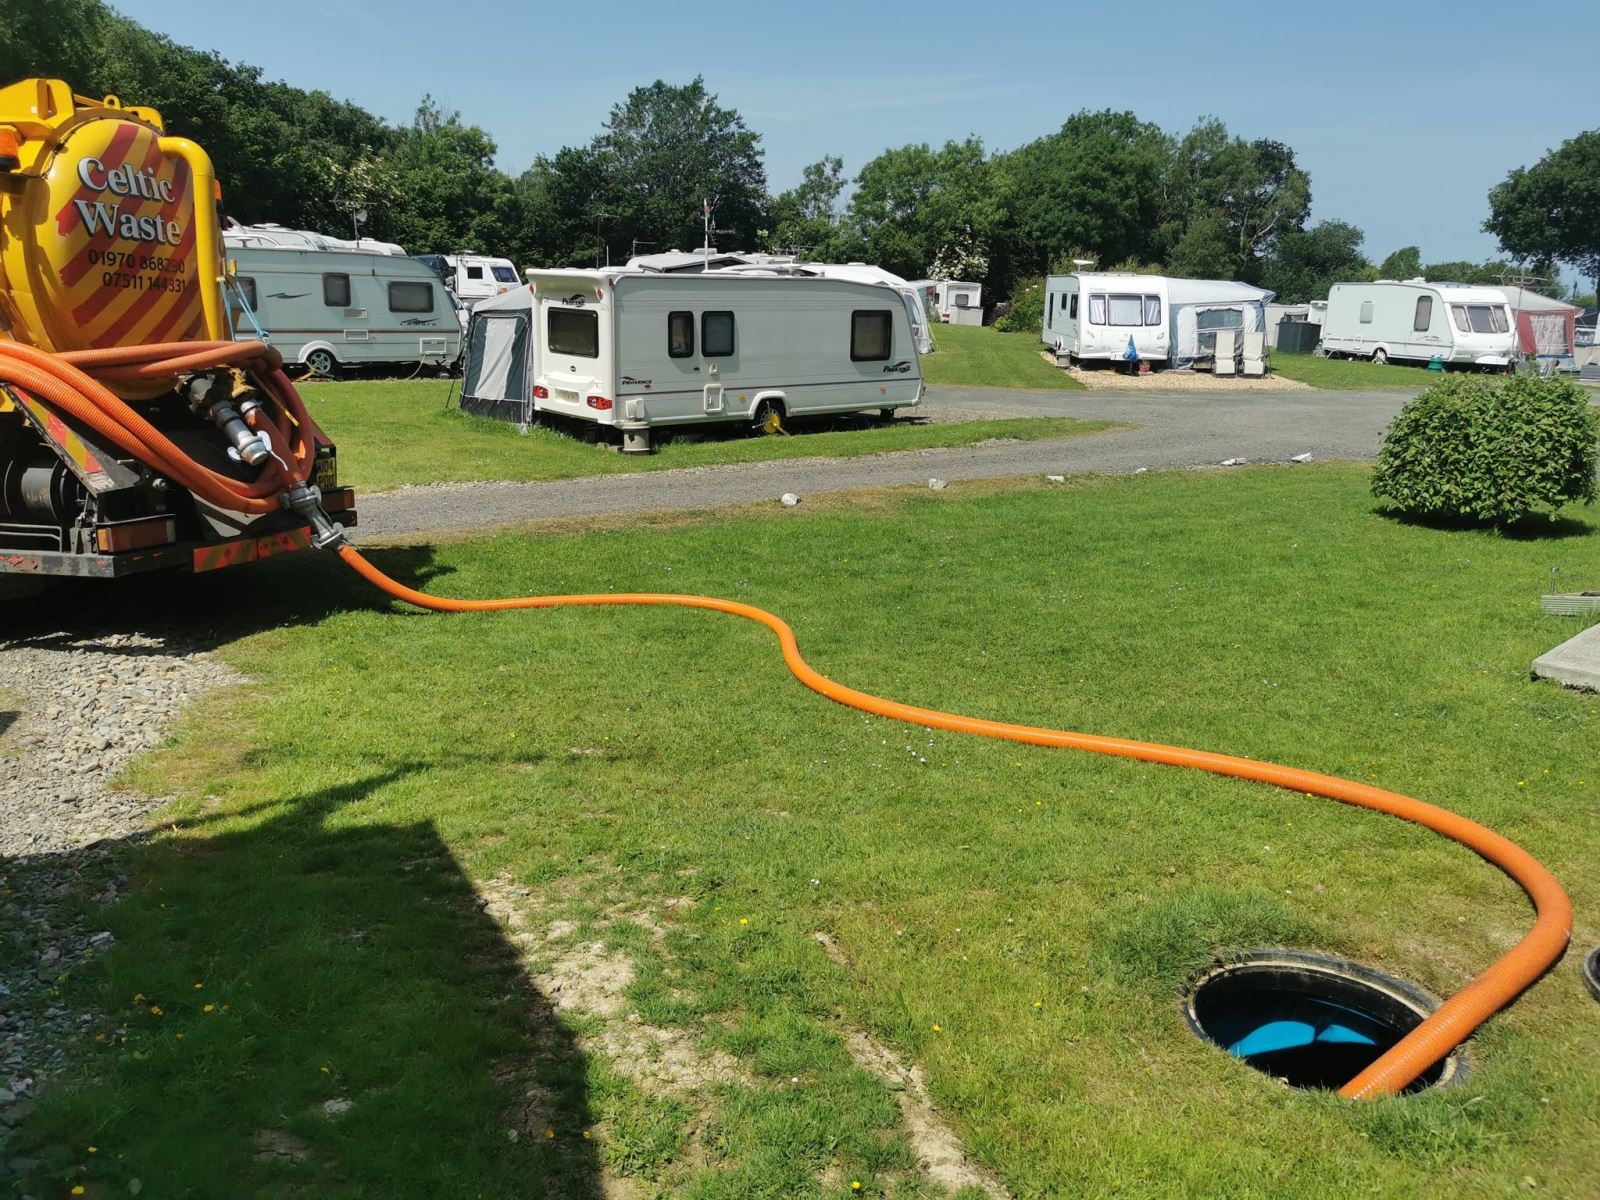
(1173, 430)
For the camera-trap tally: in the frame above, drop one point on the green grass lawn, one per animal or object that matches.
(982, 356)
(1350, 375)
(645, 796)
(391, 433)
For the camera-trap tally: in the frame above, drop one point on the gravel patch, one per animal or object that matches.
(1102, 380)
(75, 708)
(86, 705)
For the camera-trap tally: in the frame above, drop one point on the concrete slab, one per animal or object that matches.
(1576, 662)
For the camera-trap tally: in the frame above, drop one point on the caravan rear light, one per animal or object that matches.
(599, 402)
(540, 392)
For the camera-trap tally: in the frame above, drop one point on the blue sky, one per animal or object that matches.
(1404, 113)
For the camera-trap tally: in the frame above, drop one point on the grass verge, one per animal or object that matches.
(392, 433)
(434, 875)
(982, 356)
(1350, 375)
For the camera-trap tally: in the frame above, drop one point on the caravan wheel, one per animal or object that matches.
(322, 362)
(1380, 357)
(767, 418)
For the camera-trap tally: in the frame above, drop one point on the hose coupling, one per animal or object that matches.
(247, 444)
(306, 500)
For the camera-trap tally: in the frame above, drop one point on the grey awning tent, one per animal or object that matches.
(497, 360)
(1197, 308)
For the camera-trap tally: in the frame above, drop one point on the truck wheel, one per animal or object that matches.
(1380, 357)
(322, 362)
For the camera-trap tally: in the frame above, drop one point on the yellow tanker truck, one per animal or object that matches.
(135, 433)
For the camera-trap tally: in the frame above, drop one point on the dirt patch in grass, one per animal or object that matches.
(587, 978)
(939, 1151)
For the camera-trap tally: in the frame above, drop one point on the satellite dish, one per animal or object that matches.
(361, 216)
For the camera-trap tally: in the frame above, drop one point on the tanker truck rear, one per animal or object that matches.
(110, 241)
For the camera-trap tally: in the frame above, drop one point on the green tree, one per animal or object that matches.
(916, 205)
(55, 39)
(1404, 263)
(665, 152)
(805, 219)
(1094, 184)
(1255, 189)
(448, 194)
(1306, 263)
(1551, 210)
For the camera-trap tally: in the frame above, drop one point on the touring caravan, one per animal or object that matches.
(1122, 317)
(1419, 321)
(637, 351)
(338, 308)
(959, 303)
(472, 277)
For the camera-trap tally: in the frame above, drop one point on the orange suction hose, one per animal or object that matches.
(1454, 1021)
(65, 382)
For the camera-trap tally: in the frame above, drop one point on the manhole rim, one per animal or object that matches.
(1454, 1067)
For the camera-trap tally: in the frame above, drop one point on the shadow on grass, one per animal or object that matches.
(370, 1032)
(302, 999)
(1538, 527)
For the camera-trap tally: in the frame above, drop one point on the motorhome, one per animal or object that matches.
(336, 308)
(471, 277)
(1123, 317)
(1418, 321)
(638, 351)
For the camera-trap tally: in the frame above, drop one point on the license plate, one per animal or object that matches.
(327, 473)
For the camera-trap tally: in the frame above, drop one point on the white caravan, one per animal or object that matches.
(471, 277)
(959, 303)
(1123, 317)
(1420, 321)
(335, 308)
(639, 350)
(686, 262)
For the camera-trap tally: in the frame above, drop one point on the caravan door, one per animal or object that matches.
(575, 356)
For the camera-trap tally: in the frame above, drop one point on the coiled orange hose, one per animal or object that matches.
(66, 386)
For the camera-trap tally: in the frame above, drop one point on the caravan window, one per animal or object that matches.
(1487, 318)
(871, 335)
(247, 289)
(1459, 312)
(1152, 310)
(716, 334)
(1424, 316)
(411, 297)
(1127, 310)
(336, 291)
(574, 331)
(1072, 309)
(474, 272)
(680, 335)
(1366, 312)
(1097, 310)
(503, 274)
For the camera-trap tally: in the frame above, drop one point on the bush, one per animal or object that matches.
(1026, 314)
(1475, 448)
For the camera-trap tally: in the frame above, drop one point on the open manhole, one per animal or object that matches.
(1311, 1021)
